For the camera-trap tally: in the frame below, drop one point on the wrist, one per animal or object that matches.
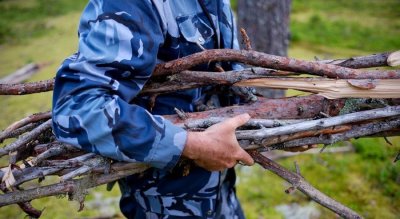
(190, 150)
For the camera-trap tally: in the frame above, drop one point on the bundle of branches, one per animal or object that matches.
(347, 103)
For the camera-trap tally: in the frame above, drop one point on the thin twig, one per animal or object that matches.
(363, 130)
(68, 187)
(246, 39)
(23, 122)
(23, 140)
(302, 185)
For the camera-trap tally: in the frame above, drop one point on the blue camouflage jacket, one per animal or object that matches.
(96, 105)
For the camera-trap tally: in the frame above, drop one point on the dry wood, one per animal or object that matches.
(269, 61)
(248, 57)
(26, 207)
(68, 187)
(287, 108)
(56, 150)
(194, 79)
(320, 123)
(23, 122)
(252, 123)
(332, 89)
(17, 132)
(246, 39)
(302, 185)
(363, 130)
(284, 138)
(27, 88)
(368, 61)
(23, 140)
(394, 59)
(21, 74)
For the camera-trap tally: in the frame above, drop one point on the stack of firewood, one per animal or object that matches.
(345, 102)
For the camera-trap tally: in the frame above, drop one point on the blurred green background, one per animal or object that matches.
(367, 180)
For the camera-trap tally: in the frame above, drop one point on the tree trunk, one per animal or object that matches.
(267, 24)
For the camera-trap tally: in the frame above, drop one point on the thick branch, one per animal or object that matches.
(26, 207)
(27, 88)
(193, 79)
(301, 184)
(269, 61)
(287, 108)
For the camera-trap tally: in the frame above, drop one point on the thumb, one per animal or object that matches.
(237, 121)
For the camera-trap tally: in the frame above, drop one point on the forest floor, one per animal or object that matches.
(44, 31)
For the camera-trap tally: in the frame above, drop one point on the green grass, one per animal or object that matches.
(363, 25)
(367, 181)
(24, 19)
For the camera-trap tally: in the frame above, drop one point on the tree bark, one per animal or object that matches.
(267, 24)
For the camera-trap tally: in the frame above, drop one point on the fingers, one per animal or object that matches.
(237, 121)
(245, 158)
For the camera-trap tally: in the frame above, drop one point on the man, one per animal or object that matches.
(96, 105)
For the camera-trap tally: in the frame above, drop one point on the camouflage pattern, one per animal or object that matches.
(96, 108)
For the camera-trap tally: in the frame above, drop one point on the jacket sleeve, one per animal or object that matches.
(118, 46)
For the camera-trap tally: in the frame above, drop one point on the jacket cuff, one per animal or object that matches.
(165, 155)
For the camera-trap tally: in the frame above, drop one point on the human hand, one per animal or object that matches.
(217, 148)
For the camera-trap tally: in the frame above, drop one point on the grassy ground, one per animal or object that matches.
(45, 31)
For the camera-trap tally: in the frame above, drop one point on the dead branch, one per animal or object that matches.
(287, 108)
(37, 117)
(246, 39)
(368, 61)
(194, 79)
(68, 187)
(252, 123)
(26, 207)
(23, 140)
(56, 150)
(320, 123)
(363, 130)
(284, 138)
(18, 132)
(302, 185)
(21, 74)
(269, 61)
(27, 88)
(280, 64)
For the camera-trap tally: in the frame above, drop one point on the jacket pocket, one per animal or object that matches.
(195, 28)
